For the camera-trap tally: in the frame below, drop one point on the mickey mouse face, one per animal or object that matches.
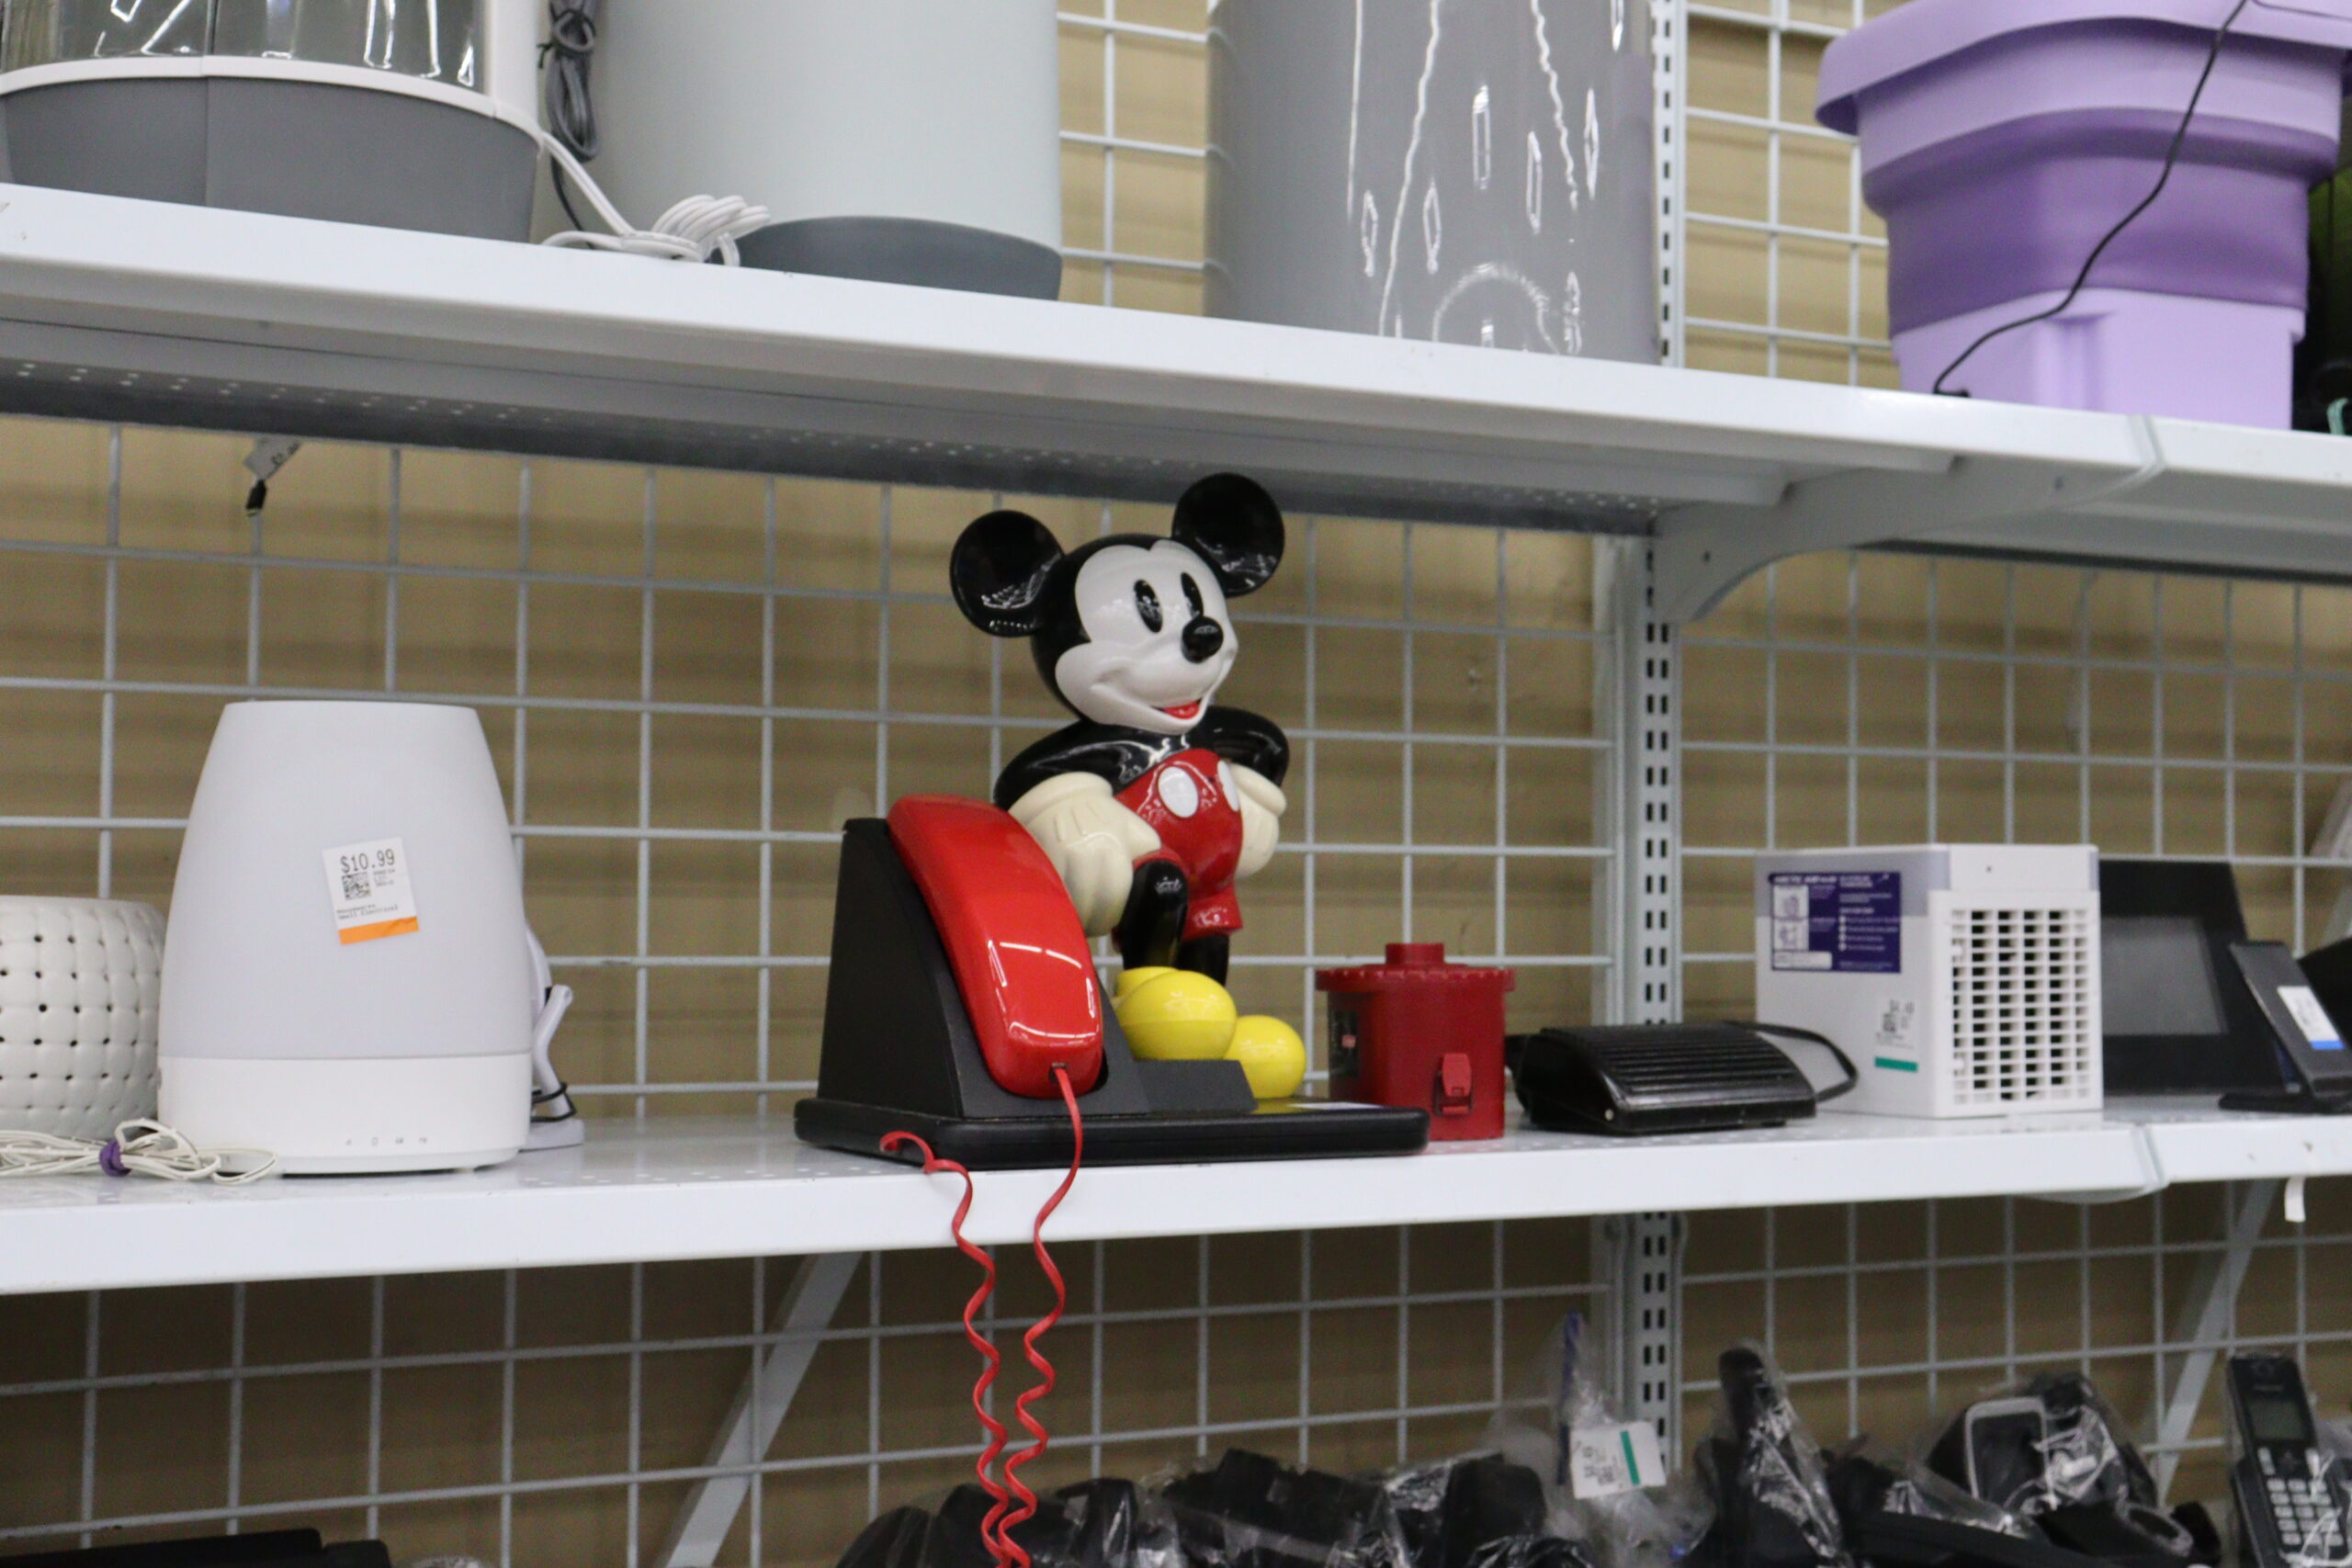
(1159, 640)
(1129, 631)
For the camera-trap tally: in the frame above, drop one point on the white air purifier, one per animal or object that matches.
(408, 114)
(78, 984)
(902, 141)
(1963, 979)
(347, 973)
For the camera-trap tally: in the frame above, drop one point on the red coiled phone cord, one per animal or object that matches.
(1013, 1502)
(932, 1164)
(1017, 1513)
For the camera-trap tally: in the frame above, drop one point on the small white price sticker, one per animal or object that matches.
(2310, 1018)
(1606, 1460)
(369, 889)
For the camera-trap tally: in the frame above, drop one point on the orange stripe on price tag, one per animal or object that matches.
(381, 928)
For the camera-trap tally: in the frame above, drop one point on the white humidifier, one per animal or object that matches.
(408, 114)
(347, 973)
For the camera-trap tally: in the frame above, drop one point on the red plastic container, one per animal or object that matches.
(1420, 1031)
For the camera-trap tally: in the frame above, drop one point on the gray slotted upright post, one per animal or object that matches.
(1641, 1253)
(1667, 26)
(1644, 1253)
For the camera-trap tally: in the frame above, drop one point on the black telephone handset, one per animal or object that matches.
(2290, 1498)
(2316, 1067)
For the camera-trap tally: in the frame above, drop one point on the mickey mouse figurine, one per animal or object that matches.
(1155, 803)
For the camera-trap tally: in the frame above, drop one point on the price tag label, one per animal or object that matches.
(2318, 1028)
(368, 887)
(1606, 1460)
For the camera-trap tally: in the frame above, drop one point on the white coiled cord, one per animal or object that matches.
(139, 1147)
(689, 232)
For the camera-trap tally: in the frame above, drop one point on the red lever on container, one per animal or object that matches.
(1013, 939)
(1453, 1082)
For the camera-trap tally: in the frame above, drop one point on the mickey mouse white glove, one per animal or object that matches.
(1092, 841)
(1261, 803)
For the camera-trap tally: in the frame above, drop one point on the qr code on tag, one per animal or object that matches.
(1596, 1474)
(369, 885)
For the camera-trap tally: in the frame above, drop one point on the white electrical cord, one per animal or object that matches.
(555, 1119)
(141, 1147)
(689, 232)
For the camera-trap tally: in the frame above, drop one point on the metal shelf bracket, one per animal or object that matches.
(2206, 1314)
(1705, 551)
(801, 1317)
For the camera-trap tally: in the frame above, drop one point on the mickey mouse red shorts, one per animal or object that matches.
(1189, 801)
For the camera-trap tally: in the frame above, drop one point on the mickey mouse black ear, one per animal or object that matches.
(998, 572)
(1232, 524)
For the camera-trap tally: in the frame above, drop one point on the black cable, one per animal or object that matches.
(565, 101)
(2082, 278)
(563, 193)
(1853, 1074)
(564, 60)
(548, 1096)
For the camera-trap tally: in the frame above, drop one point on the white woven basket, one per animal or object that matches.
(79, 979)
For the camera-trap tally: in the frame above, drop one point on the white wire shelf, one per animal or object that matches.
(694, 1187)
(155, 313)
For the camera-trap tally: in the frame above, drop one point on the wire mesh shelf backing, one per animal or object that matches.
(1886, 699)
(691, 679)
(1784, 266)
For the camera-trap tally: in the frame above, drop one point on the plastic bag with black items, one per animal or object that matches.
(1619, 1522)
(1866, 1480)
(1773, 1507)
(2052, 1450)
(1095, 1524)
(263, 1549)
(1250, 1511)
(1617, 1525)
(1480, 1512)
(1899, 1516)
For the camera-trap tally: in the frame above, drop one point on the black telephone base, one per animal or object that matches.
(1282, 1129)
(2288, 1102)
(899, 1054)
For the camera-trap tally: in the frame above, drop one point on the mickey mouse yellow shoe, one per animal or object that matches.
(1174, 1015)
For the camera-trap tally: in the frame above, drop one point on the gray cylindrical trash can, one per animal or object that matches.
(901, 141)
(1462, 171)
(416, 115)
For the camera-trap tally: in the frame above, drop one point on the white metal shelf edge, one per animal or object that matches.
(2211, 1147)
(182, 314)
(687, 1188)
(160, 313)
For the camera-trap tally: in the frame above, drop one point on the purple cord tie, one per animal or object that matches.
(110, 1160)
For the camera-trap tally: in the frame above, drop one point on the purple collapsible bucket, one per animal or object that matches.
(2000, 138)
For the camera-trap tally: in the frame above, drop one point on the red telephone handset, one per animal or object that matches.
(1013, 938)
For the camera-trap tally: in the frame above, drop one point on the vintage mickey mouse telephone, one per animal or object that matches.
(961, 973)
(965, 1024)
(1154, 802)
